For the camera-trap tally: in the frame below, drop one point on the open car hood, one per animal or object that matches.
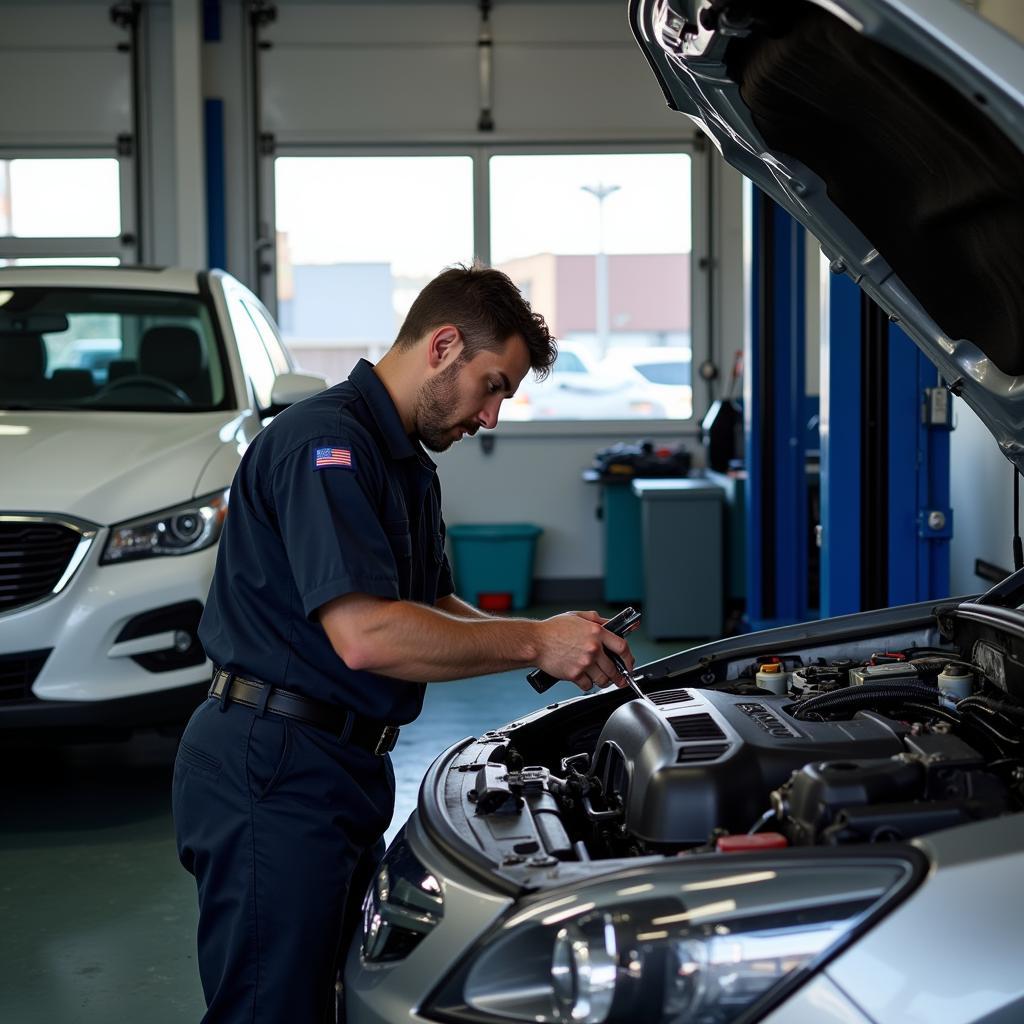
(893, 130)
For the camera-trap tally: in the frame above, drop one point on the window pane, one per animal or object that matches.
(104, 349)
(60, 198)
(600, 244)
(358, 237)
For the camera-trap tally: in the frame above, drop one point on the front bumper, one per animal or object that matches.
(101, 717)
(90, 659)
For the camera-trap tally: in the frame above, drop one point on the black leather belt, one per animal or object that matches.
(376, 737)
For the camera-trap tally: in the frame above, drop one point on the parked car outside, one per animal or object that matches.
(819, 823)
(127, 397)
(662, 373)
(579, 388)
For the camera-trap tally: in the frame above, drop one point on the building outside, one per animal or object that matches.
(331, 315)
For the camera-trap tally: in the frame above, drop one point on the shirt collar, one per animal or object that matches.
(383, 410)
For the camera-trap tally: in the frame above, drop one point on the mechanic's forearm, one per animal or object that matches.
(454, 605)
(421, 644)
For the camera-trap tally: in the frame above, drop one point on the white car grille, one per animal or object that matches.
(37, 557)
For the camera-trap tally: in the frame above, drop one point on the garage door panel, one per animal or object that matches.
(591, 92)
(50, 25)
(312, 94)
(66, 98)
(374, 23)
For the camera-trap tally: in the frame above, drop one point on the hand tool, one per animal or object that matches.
(620, 624)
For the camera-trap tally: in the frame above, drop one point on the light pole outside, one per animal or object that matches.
(601, 192)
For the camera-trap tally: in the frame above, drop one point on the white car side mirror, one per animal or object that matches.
(290, 388)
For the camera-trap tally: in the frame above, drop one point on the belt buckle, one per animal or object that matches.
(387, 741)
(213, 683)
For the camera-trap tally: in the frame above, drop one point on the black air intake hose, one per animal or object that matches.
(1000, 707)
(866, 695)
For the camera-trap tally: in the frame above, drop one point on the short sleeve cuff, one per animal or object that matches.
(445, 583)
(374, 586)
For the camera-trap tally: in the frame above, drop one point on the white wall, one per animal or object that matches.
(982, 500)
(535, 480)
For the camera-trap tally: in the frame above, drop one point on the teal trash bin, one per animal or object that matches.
(623, 550)
(493, 563)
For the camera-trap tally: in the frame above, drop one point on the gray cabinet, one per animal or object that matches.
(682, 552)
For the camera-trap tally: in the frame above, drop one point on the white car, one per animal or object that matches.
(578, 388)
(663, 374)
(127, 397)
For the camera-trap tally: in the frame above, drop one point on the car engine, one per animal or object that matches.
(783, 754)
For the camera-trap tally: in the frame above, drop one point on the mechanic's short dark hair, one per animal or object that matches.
(487, 308)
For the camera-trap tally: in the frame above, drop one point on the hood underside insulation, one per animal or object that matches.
(919, 168)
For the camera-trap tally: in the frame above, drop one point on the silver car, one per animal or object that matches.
(820, 823)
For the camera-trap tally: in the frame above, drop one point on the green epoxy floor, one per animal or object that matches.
(97, 918)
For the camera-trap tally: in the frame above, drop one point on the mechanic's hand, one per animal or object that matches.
(572, 646)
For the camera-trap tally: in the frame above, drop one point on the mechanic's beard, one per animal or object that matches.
(434, 404)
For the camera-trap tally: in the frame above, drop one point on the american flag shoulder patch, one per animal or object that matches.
(329, 458)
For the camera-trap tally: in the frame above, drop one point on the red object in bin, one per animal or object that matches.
(500, 602)
(752, 844)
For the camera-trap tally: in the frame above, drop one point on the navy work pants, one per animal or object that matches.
(278, 821)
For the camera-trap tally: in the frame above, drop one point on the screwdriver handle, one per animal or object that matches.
(540, 680)
(619, 624)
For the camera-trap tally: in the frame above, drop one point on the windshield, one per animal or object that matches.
(100, 348)
(665, 373)
(568, 362)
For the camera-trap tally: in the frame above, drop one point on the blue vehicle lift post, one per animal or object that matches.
(885, 421)
(775, 414)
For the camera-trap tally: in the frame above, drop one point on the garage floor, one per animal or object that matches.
(97, 919)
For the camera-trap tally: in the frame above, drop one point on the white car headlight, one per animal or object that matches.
(176, 531)
(683, 943)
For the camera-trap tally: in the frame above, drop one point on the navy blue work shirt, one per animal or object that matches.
(332, 498)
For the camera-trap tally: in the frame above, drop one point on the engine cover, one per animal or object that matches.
(701, 759)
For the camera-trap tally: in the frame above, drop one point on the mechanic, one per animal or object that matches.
(331, 605)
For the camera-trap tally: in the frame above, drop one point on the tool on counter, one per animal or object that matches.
(620, 624)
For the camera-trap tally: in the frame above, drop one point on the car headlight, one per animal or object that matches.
(176, 531)
(687, 943)
(403, 904)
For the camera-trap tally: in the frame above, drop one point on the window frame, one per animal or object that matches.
(123, 246)
(701, 261)
(280, 357)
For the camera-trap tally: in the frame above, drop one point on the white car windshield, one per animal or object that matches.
(104, 349)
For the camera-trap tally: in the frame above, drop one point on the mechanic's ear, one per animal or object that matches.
(444, 346)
